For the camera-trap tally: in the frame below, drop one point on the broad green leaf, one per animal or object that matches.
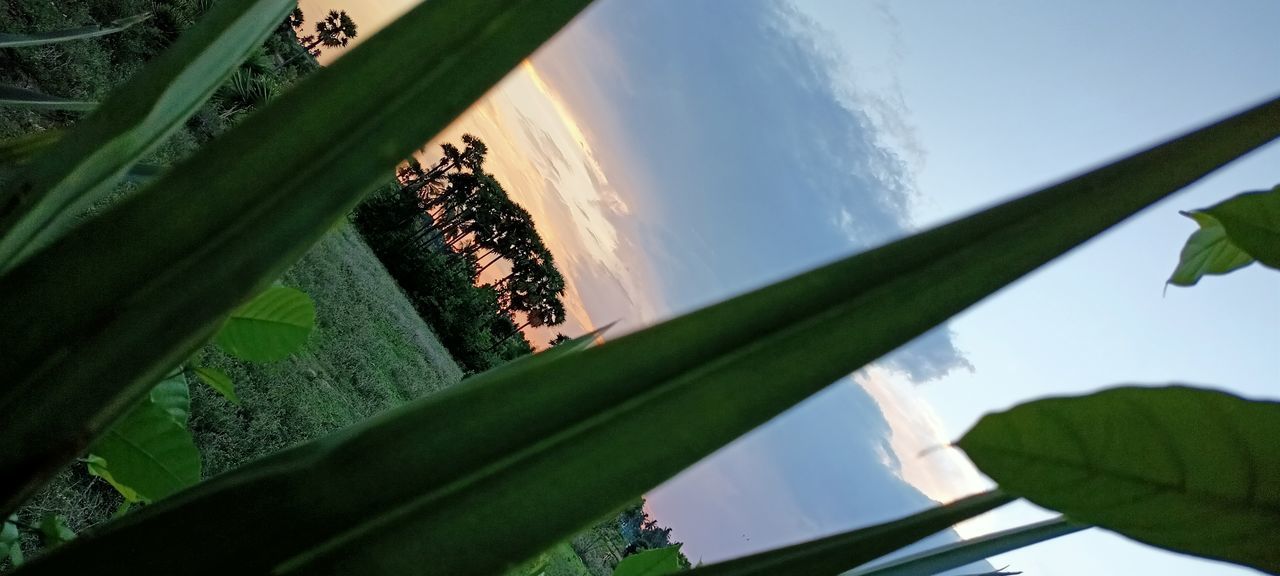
(48, 195)
(490, 472)
(11, 541)
(218, 380)
(657, 562)
(15, 97)
(174, 397)
(1207, 251)
(1187, 469)
(834, 554)
(150, 453)
(8, 40)
(54, 530)
(960, 554)
(272, 326)
(97, 466)
(1252, 221)
(234, 215)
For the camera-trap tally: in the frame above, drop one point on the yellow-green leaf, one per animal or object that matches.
(656, 562)
(1186, 469)
(218, 380)
(1207, 251)
(149, 453)
(1252, 222)
(271, 326)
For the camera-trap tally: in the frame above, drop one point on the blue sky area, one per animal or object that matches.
(679, 152)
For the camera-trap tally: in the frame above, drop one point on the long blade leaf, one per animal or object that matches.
(959, 554)
(15, 97)
(494, 470)
(43, 201)
(834, 554)
(142, 285)
(83, 33)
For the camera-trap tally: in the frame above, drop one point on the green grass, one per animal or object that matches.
(558, 561)
(370, 351)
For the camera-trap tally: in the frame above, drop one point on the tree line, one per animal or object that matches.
(454, 219)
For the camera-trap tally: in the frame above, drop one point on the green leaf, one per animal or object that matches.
(840, 552)
(1186, 469)
(149, 453)
(275, 324)
(656, 562)
(174, 397)
(97, 466)
(218, 380)
(960, 554)
(15, 97)
(1208, 251)
(48, 195)
(490, 472)
(11, 541)
(1252, 221)
(268, 189)
(82, 33)
(54, 530)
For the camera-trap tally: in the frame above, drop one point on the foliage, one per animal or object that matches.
(11, 542)
(270, 326)
(1252, 221)
(655, 562)
(1253, 232)
(1208, 251)
(505, 465)
(20, 40)
(1182, 468)
(434, 231)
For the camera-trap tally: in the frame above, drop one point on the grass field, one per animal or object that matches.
(370, 351)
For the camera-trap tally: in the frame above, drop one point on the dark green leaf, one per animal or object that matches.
(272, 326)
(54, 530)
(1190, 470)
(49, 194)
(1208, 251)
(150, 453)
(15, 97)
(218, 380)
(20, 149)
(11, 541)
(173, 396)
(657, 562)
(1252, 221)
(960, 554)
(490, 472)
(82, 33)
(835, 554)
(155, 274)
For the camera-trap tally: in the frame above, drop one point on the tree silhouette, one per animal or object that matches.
(337, 29)
(560, 338)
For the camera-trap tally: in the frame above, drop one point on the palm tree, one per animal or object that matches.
(337, 29)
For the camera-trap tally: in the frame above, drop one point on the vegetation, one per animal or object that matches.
(98, 310)
(440, 230)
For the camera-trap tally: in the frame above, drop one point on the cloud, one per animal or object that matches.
(751, 136)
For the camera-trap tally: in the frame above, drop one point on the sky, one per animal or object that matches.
(677, 153)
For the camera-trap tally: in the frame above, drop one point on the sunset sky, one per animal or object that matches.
(676, 153)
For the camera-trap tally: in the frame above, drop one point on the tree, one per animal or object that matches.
(560, 338)
(337, 29)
